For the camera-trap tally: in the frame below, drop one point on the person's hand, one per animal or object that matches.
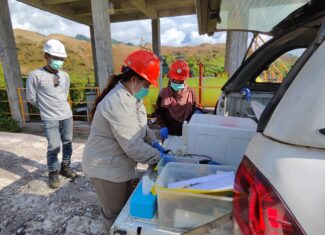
(164, 133)
(156, 145)
(166, 158)
(198, 111)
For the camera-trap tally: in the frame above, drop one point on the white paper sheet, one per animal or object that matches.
(224, 180)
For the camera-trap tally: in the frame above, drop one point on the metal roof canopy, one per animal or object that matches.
(120, 10)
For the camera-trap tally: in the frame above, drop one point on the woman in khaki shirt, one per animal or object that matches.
(118, 133)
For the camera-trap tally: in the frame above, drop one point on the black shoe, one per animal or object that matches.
(54, 181)
(66, 171)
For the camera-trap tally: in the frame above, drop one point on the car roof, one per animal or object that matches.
(260, 16)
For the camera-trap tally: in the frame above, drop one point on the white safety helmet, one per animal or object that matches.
(55, 47)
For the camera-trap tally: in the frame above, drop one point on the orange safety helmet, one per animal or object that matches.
(146, 64)
(179, 70)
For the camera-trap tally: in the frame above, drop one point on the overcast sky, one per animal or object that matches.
(175, 31)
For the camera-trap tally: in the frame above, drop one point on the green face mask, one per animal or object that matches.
(177, 86)
(56, 64)
(141, 94)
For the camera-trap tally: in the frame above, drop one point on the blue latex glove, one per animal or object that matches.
(156, 145)
(166, 158)
(198, 111)
(246, 93)
(164, 133)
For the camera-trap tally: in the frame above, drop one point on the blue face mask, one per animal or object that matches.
(56, 64)
(141, 94)
(176, 86)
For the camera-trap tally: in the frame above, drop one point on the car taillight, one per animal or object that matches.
(257, 207)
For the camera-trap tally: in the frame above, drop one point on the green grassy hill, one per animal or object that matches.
(79, 63)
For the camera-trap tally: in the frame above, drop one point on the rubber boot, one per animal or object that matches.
(54, 181)
(66, 171)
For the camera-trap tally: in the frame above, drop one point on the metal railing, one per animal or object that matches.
(149, 103)
(202, 99)
(71, 102)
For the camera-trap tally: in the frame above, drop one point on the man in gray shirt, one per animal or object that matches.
(48, 89)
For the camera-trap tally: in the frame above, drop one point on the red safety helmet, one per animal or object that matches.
(146, 64)
(179, 70)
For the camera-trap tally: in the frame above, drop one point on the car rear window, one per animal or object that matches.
(279, 68)
(255, 15)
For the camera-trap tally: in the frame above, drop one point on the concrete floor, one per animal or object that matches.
(28, 205)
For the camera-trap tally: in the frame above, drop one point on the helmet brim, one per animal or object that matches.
(154, 83)
(61, 55)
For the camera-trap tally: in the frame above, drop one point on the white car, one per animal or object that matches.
(279, 185)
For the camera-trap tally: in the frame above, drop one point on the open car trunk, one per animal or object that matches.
(293, 26)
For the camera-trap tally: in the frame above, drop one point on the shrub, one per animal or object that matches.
(8, 124)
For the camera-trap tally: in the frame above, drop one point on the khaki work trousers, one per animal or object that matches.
(111, 197)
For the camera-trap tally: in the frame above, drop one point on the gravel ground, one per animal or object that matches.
(28, 205)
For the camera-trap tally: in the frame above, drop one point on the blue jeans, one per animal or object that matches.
(57, 131)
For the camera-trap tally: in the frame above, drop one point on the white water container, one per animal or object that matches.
(223, 138)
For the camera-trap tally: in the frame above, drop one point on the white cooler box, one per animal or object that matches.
(223, 138)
